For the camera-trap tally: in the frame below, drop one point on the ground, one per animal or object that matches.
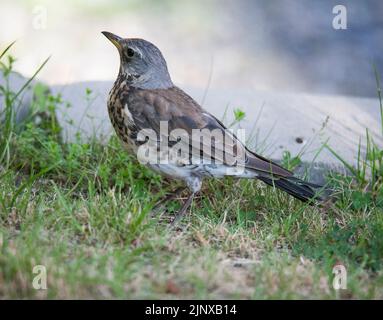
(89, 221)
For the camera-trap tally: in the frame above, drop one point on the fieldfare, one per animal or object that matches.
(173, 135)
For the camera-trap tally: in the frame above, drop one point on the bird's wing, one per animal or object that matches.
(255, 161)
(180, 111)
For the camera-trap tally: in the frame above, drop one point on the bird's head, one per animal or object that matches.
(141, 62)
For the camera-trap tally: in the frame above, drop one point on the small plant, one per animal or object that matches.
(368, 173)
(239, 115)
(289, 162)
(43, 111)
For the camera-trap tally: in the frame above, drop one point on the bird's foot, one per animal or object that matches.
(183, 210)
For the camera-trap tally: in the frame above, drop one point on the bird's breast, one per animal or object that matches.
(120, 114)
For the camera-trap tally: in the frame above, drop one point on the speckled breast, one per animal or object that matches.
(120, 115)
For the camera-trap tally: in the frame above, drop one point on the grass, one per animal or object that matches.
(84, 210)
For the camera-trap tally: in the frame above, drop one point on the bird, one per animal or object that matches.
(144, 99)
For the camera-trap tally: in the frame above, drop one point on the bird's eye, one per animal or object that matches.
(130, 52)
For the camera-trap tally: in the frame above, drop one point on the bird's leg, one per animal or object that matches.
(194, 184)
(174, 194)
(185, 206)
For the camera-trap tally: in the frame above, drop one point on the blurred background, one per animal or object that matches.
(287, 45)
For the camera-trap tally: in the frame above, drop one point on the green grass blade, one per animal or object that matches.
(344, 162)
(379, 89)
(6, 49)
(26, 84)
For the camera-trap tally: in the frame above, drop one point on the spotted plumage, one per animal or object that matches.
(117, 102)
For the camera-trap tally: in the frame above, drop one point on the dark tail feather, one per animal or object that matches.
(302, 190)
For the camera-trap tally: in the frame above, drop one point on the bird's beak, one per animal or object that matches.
(116, 40)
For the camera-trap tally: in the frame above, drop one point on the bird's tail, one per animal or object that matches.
(302, 190)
